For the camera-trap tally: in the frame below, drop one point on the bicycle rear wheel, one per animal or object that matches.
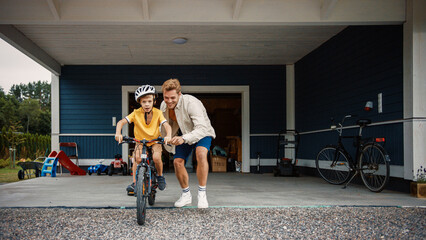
(374, 167)
(333, 165)
(142, 188)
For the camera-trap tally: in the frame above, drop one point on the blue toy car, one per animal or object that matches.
(99, 168)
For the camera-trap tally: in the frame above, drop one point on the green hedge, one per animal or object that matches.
(34, 146)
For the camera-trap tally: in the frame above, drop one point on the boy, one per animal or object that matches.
(148, 121)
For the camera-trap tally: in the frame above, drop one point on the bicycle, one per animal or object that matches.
(146, 178)
(335, 165)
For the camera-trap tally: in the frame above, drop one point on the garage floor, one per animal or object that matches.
(223, 190)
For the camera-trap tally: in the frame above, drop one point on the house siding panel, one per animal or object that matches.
(91, 95)
(340, 76)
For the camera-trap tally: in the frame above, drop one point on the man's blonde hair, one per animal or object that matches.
(171, 84)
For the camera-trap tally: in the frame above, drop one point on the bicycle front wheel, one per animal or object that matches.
(374, 167)
(141, 189)
(333, 165)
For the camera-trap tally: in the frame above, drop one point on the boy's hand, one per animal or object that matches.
(167, 140)
(118, 138)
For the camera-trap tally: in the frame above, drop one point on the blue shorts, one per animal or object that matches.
(183, 151)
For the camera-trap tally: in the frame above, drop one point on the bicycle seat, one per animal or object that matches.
(363, 122)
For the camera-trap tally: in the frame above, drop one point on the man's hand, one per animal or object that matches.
(178, 140)
(118, 138)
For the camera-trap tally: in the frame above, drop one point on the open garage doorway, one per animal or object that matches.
(227, 107)
(224, 111)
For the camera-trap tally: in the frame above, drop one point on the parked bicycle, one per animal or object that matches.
(335, 165)
(146, 177)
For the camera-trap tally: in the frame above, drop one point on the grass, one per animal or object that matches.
(8, 174)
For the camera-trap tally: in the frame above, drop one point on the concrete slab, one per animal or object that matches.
(223, 190)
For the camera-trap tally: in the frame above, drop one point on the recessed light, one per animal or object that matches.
(180, 40)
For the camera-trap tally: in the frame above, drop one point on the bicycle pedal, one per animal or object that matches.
(130, 193)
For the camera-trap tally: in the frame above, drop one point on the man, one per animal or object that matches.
(191, 129)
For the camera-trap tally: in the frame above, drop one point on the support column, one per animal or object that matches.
(54, 93)
(290, 108)
(290, 97)
(414, 88)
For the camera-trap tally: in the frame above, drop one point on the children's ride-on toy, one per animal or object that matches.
(118, 165)
(98, 168)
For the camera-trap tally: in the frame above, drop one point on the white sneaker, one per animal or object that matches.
(185, 199)
(202, 200)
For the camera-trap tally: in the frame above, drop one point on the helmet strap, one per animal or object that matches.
(146, 116)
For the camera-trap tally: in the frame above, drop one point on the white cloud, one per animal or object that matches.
(16, 68)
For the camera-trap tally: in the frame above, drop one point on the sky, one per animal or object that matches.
(16, 68)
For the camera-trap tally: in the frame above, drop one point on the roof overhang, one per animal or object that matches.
(140, 32)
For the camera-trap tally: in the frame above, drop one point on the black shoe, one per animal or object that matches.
(161, 182)
(131, 189)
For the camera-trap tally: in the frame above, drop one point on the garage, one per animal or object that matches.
(294, 64)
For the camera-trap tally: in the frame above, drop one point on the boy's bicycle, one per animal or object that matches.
(146, 177)
(335, 165)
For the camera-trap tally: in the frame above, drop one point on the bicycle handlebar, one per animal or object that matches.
(127, 139)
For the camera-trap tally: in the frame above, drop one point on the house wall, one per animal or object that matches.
(339, 77)
(91, 95)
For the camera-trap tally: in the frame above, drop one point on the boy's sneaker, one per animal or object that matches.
(131, 189)
(161, 182)
(202, 200)
(185, 199)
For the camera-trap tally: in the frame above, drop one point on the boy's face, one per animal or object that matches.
(147, 102)
(171, 98)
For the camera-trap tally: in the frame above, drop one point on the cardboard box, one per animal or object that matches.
(218, 164)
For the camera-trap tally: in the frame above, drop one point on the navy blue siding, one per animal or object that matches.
(89, 147)
(91, 95)
(341, 75)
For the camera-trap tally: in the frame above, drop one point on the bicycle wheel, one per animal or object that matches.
(151, 196)
(141, 188)
(333, 165)
(374, 167)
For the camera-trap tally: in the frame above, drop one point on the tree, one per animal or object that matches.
(8, 110)
(39, 90)
(29, 111)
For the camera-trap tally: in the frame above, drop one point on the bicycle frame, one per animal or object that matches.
(146, 185)
(146, 161)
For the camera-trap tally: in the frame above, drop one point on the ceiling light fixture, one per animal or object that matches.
(180, 40)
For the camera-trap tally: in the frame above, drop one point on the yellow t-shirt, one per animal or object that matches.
(142, 130)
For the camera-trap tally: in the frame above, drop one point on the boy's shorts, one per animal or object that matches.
(183, 151)
(156, 148)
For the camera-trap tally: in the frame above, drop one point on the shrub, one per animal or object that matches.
(4, 163)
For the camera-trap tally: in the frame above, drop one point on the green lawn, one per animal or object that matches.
(8, 174)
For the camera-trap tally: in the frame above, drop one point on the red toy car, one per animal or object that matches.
(118, 165)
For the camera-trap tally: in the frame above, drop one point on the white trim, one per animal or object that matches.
(414, 88)
(85, 134)
(55, 108)
(357, 126)
(245, 118)
(264, 135)
(25, 45)
(290, 97)
(395, 171)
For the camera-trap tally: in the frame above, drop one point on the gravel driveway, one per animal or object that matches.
(215, 223)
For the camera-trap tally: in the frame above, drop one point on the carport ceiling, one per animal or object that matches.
(225, 32)
(152, 44)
